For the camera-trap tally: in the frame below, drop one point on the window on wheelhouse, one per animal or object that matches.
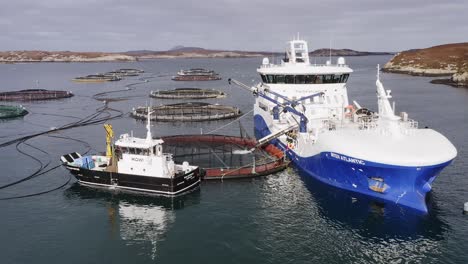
(144, 152)
(309, 79)
(344, 78)
(305, 79)
(289, 79)
(328, 78)
(279, 79)
(131, 151)
(271, 78)
(300, 79)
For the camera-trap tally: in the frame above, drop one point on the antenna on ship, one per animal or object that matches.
(149, 137)
(378, 71)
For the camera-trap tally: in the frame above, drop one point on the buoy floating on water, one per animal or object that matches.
(465, 208)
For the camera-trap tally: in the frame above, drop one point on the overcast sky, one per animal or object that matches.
(263, 25)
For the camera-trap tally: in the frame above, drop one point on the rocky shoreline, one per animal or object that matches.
(457, 80)
(450, 60)
(61, 56)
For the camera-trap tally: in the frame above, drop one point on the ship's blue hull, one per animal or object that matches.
(403, 185)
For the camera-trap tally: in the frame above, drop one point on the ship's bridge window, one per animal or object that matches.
(305, 79)
(309, 79)
(344, 78)
(289, 79)
(145, 152)
(279, 78)
(132, 151)
(300, 79)
(271, 78)
(138, 151)
(328, 78)
(318, 79)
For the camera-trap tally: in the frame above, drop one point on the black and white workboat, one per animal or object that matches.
(135, 164)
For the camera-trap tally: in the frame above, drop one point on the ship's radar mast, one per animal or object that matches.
(298, 52)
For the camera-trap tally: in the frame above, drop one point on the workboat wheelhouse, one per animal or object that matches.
(303, 108)
(137, 164)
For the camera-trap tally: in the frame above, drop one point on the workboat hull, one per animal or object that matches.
(158, 185)
(403, 185)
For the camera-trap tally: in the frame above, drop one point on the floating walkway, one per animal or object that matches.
(34, 94)
(12, 111)
(219, 155)
(98, 78)
(187, 93)
(196, 78)
(187, 112)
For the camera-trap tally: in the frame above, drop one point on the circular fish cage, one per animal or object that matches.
(187, 93)
(187, 112)
(34, 95)
(225, 157)
(12, 111)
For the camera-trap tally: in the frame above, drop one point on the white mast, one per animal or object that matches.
(387, 119)
(149, 137)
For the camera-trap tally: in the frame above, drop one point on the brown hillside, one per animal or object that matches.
(449, 58)
(444, 60)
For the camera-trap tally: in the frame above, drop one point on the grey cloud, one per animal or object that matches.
(118, 25)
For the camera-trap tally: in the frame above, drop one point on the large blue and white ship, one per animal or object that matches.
(304, 109)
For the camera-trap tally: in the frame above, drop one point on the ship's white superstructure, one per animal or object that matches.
(304, 108)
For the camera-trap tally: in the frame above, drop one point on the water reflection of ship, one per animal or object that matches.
(137, 218)
(373, 218)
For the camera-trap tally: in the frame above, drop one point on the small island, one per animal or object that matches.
(449, 60)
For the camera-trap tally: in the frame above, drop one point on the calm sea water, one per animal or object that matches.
(282, 218)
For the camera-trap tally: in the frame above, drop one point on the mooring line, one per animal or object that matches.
(221, 127)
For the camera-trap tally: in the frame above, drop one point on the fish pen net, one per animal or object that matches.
(188, 112)
(34, 94)
(187, 93)
(10, 111)
(224, 157)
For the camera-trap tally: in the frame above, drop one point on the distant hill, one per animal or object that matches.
(194, 52)
(187, 49)
(345, 52)
(443, 60)
(137, 52)
(175, 52)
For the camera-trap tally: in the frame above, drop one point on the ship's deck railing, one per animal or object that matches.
(407, 127)
(367, 123)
